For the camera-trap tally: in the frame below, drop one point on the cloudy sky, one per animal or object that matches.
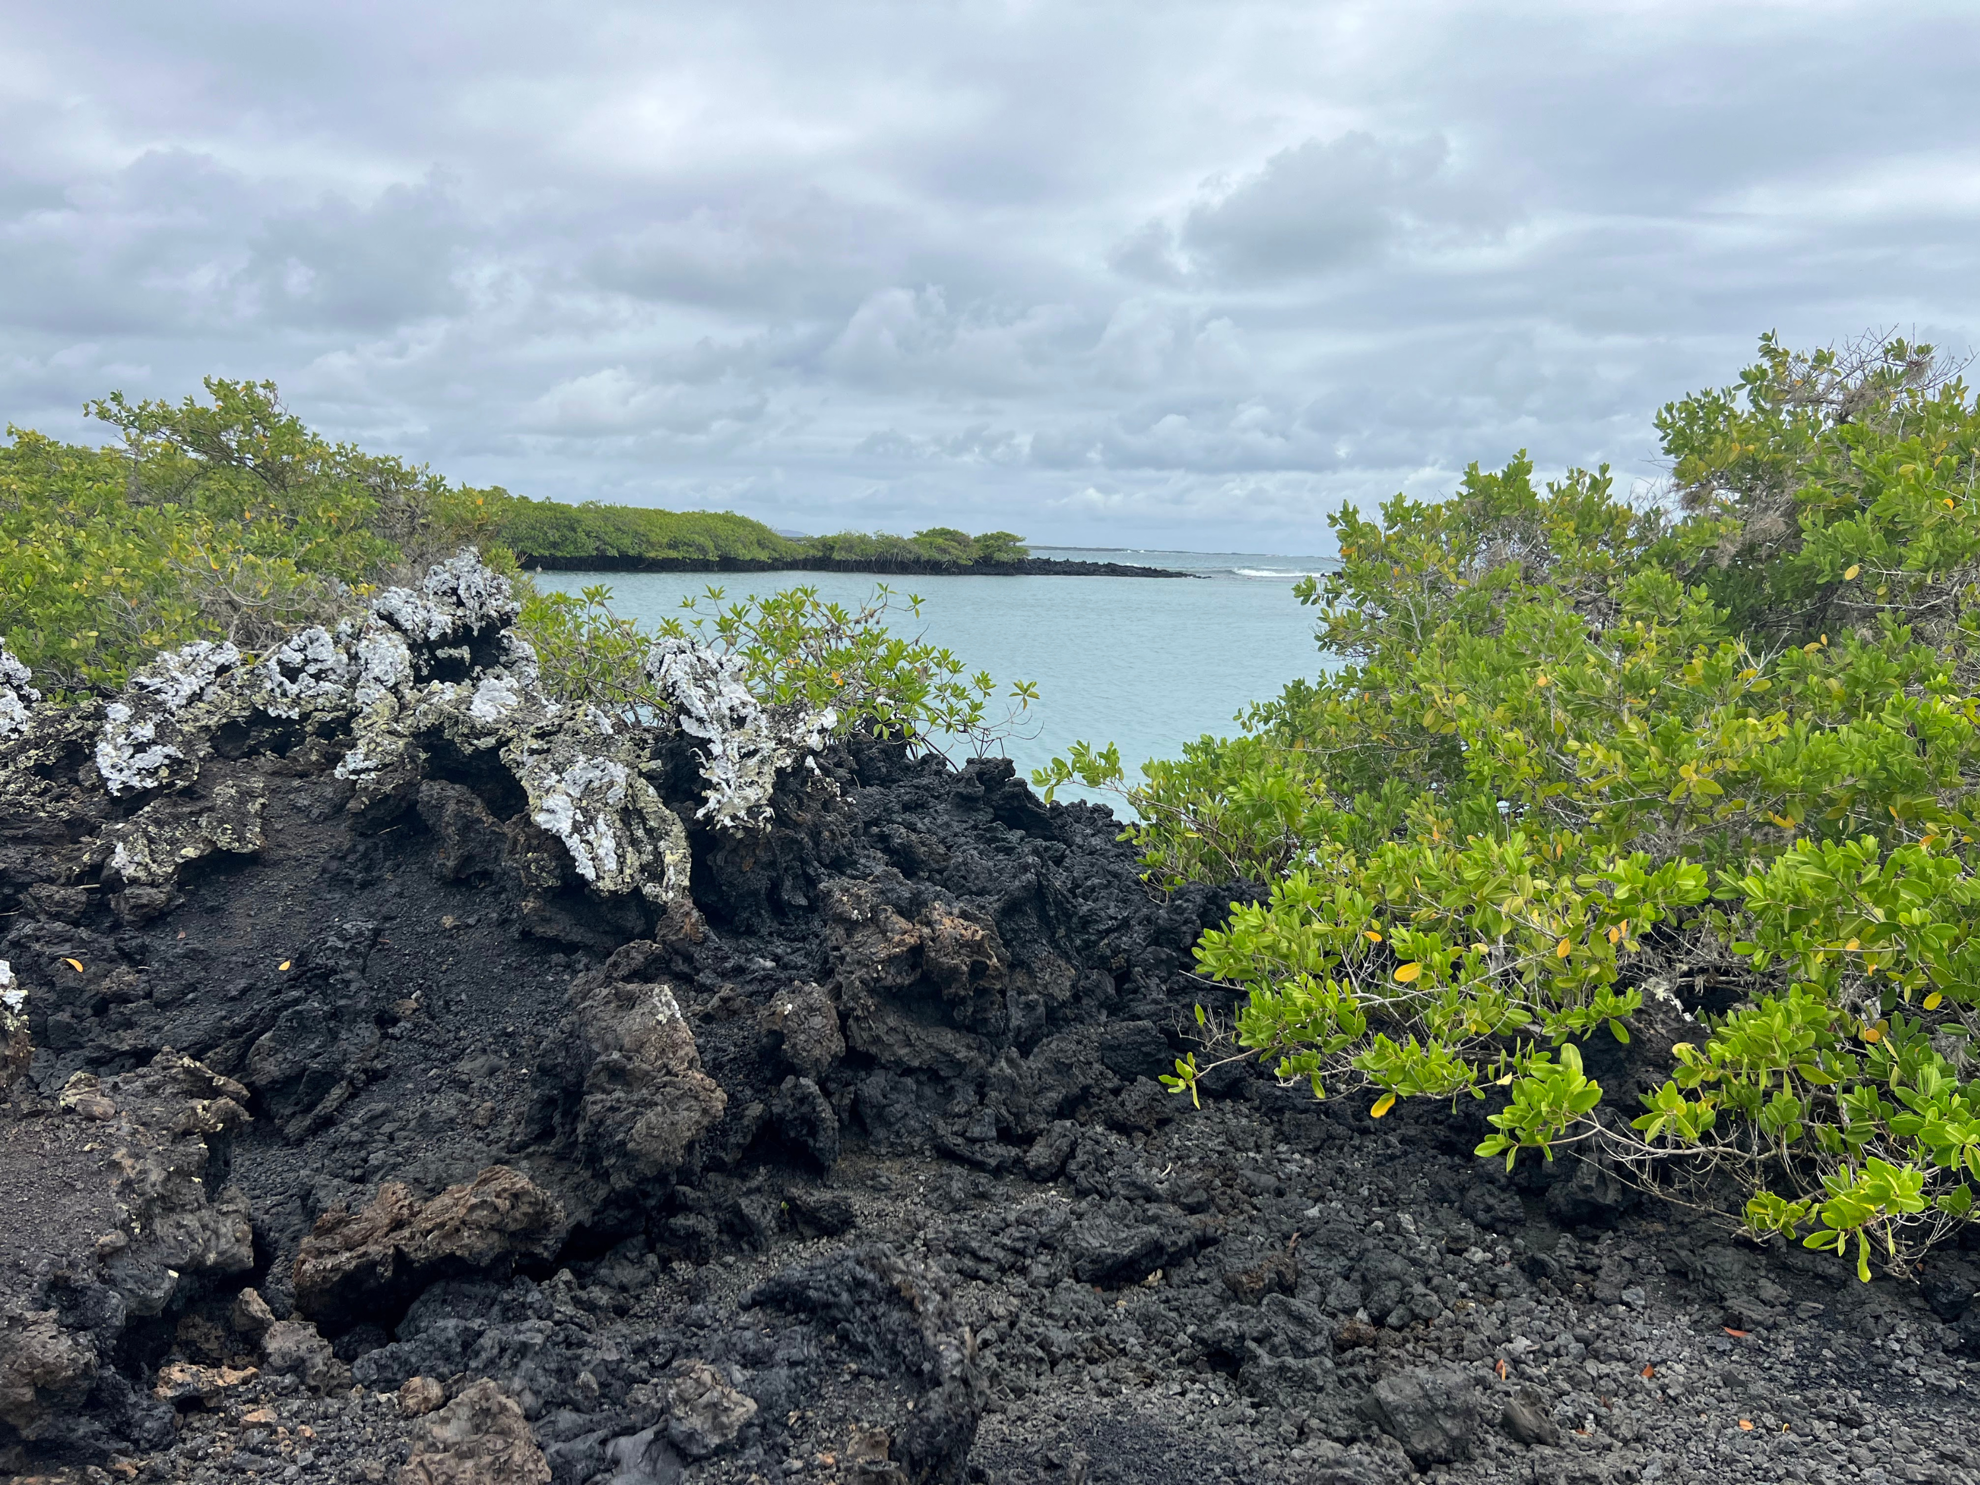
(1126, 272)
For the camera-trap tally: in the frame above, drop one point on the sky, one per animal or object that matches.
(1122, 273)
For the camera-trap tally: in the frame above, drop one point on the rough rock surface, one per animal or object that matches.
(364, 1134)
(118, 1210)
(359, 1265)
(480, 1438)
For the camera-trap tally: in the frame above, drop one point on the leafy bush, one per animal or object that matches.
(1581, 756)
(221, 519)
(796, 649)
(549, 528)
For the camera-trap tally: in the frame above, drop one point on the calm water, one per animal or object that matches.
(1148, 663)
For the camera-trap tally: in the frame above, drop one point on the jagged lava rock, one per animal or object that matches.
(358, 1265)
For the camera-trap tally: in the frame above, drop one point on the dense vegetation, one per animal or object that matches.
(1581, 756)
(223, 519)
(229, 518)
(549, 530)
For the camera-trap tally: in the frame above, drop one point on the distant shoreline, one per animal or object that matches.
(884, 567)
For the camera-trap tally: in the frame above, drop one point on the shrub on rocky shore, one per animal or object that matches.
(1704, 771)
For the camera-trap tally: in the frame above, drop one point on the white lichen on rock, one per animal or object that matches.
(436, 666)
(138, 748)
(309, 668)
(458, 597)
(495, 698)
(620, 835)
(15, 1047)
(18, 697)
(745, 745)
(150, 848)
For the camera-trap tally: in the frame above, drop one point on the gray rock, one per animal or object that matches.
(643, 1458)
(1590, 1194)
(1106, 1251)
(805, 1118)
(1049, 1152)
(803, 1025)
(1526, 1418)
(1431, 1411)
(293, 1348)
(480, 1438)
(1286, 1382)
(705, 1415)
(353, 1265)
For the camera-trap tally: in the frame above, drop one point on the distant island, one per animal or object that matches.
(550, 536)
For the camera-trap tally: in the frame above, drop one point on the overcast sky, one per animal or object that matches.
(1126, 273)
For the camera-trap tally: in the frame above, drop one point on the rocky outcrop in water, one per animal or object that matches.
(415, 1080)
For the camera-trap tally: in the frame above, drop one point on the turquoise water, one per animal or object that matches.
(1147, 663)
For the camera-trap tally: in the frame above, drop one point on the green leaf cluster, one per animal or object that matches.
(1575, 756)
(224, 518)
(796, 649)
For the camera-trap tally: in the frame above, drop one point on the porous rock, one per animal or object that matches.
(355, 1265)
(138, 1160)
(744, 744)
(16, 1046)
(420, 1396)
(806, 1119)
(152, 847)
(432, 668)
(1590, 1192)
(44, 1367)
(18, 697)
(171, 1124)
(294, 1348)
(1108, 1250)
(705, 1415)
(894, 1314)
(480, 1438)
(642, 1099)
(802, 1025)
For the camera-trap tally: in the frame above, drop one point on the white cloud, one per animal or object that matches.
(1113, 273)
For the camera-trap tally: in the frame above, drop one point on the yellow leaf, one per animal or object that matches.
(1872, 1034)
(1382, 1105)
(1561, 949)
(1947, 504)
(1371, 935)
(1408, 972)
(283, 965)
(1614, 935)
(1540, 681)
(1933, 1001)
(1851, 573)
(75, 964)
(1853, 943)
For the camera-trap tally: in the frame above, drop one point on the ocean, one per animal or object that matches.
(1145, 663)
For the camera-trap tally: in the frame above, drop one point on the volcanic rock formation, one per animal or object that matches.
(410, 1077)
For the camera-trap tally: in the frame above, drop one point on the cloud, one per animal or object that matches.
(1122, 274)
(615, 402)
(1324, 205)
